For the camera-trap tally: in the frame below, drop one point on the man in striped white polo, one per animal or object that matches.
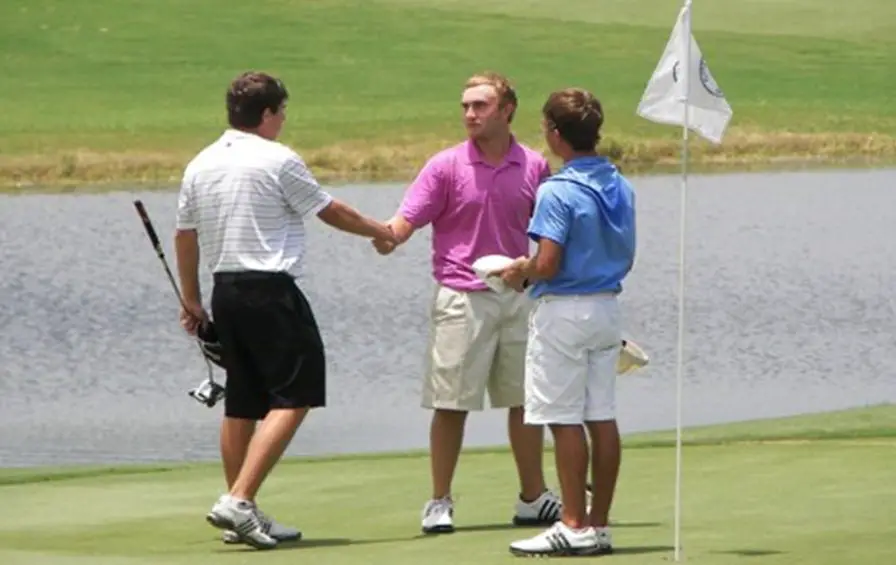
(242, 203)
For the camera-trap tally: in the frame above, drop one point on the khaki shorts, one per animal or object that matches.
(477, 344)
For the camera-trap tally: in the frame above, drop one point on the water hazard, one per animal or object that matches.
(790, 282)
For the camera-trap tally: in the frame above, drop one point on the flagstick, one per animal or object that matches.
(680, 354)
(679, 376)
(664, 102)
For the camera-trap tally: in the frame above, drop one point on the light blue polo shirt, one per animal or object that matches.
(588, 208)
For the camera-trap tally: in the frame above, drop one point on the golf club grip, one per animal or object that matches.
(147, 223)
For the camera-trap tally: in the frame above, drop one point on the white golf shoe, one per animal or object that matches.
(438, 516)
(543, 511)
(561, 540)
(270, 526)
(241, 518)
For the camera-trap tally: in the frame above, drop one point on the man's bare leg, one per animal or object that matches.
(605, 460)
(236, 433)
(265, 449)
(527, 443)
(571, 452)
(446, 436)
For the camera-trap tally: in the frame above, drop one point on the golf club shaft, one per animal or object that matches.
(157, 245)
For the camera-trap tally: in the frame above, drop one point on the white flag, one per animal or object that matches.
(670, 90)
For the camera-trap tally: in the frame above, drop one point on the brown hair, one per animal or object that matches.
(505, 90)
(576, 115)
(250, 94)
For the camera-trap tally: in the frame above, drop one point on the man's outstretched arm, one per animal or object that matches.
(345, 218)
(305, 196)
(423, 202)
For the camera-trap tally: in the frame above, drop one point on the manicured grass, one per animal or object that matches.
(116, 91)
(818, 491)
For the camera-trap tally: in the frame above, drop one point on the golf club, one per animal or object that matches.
(208, 392)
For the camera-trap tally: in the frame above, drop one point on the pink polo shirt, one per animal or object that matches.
(475, 209)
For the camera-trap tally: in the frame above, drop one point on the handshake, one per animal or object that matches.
(386, 242)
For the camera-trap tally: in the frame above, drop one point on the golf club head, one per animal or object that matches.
(208, 393)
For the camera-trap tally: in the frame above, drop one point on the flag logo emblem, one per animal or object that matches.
(706, 79)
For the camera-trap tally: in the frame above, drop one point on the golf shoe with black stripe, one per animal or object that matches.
(270, 526)
(560, 541)
(543, 511)
(241, 518)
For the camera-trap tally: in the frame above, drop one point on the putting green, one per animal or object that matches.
(810, 490)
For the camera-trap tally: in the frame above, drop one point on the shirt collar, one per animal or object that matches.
(594, 160)
(233, 133)
(514, 155)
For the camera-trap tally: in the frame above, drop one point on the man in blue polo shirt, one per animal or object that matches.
(584, 225)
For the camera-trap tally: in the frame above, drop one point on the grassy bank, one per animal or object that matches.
(129, 90)
(787, 491)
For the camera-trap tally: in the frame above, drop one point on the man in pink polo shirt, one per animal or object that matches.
(478, 197)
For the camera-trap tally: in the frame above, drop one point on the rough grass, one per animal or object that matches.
(129, 90)
(786, 491)
(382, 162)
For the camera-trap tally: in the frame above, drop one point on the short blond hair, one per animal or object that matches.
(501, 84)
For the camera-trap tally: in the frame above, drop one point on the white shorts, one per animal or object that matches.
(574, 344)
(477, 344)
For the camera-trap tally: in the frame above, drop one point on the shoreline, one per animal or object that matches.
(89, 171)
(861, 423)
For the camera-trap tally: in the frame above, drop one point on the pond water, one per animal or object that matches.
(790, 280)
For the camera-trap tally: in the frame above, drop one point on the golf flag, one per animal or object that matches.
(677, 86)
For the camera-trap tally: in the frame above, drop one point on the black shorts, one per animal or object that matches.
(272, 348)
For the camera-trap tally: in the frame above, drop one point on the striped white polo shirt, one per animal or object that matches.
(247, 198)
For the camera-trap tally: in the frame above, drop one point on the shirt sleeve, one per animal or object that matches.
(425, 199)
(300, 189)
(186, 217)
(551, 218)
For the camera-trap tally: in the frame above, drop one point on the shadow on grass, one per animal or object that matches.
(750, 552)
(340, 542)
(310, 543)
(509, 526)
(641, 549)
